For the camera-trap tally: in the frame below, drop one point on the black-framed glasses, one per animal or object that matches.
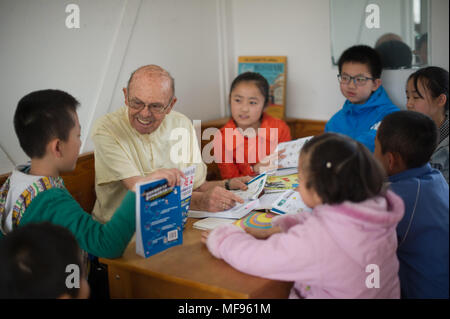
(154, 107)
(359, 80)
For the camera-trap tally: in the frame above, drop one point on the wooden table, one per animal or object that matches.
(185, 271)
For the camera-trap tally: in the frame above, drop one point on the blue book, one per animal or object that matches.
(159, 217)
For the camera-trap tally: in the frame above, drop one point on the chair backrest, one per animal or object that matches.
(80, 182)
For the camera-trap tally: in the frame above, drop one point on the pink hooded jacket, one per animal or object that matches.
(326, 253)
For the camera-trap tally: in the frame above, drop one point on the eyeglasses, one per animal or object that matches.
(155, 108)
(357, 80)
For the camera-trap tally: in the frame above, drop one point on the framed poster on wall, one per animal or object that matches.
(273, 68)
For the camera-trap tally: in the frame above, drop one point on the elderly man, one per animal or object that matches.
(133, 145)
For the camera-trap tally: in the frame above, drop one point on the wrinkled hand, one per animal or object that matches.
(240, 182)
(269, 162)
(262, 233)
(173, 175)
(218, 199)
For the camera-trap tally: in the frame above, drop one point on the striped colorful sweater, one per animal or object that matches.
(32, 199)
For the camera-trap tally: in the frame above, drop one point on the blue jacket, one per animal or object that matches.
(423, 233)
(361, 121)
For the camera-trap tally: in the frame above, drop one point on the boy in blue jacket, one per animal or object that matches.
(404, 144)
(367, 102)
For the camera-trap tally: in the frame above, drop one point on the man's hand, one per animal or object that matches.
(240, 182)
(218, 199)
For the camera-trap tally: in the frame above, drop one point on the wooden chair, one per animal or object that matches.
(80, 182)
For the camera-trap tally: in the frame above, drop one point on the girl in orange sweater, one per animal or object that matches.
(250, 135)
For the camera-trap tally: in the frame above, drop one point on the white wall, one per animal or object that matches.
(39, 52)
(198, 41)
(439, 33)
(300, 29)
(94, 62)
(349, 23)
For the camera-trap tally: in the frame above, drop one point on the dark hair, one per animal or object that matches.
(434, 79)
(365, 55)
(410, 134)
(41, 116)
(395, 54)
(260, 82)
(341, 169)
(33, 263)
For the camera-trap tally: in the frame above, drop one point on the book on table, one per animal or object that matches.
(250, 197)
(160, 213)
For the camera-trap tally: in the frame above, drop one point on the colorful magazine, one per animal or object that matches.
(289, 202)
(281, 183)
(256, 220)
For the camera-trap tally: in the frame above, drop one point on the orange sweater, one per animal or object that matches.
(240, 153)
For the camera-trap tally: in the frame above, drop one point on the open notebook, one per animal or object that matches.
(255, 187)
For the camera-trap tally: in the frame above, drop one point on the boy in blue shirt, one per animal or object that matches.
(404, 144)
(367, 102)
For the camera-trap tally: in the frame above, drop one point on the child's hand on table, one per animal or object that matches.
(205, 235)
(255, 232)
(262, 233)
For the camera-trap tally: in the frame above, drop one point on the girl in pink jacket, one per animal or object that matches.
(345, 248)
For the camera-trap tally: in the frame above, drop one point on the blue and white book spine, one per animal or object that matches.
(158, 217)
(187, 186)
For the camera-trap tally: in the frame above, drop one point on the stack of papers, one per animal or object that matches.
(250, 197)
(238, 211)
(211, 223)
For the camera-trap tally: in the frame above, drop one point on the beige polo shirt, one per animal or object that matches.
(122, 152)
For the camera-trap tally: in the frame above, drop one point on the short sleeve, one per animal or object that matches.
(112, 163)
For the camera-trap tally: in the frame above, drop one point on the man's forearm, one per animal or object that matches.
(208, 185)
(196, 201)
